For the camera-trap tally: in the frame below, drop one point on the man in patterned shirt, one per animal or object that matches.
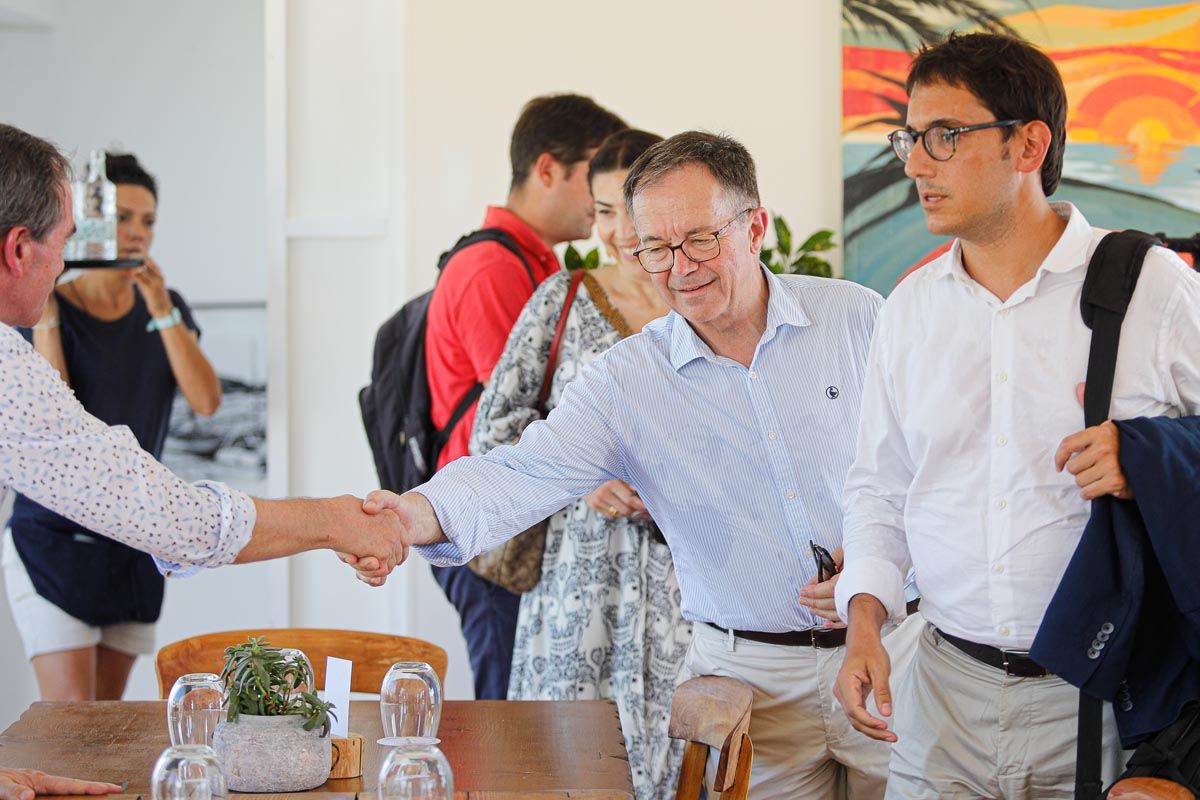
(56, 453)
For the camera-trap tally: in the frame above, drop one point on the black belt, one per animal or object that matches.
(821, 638)
(1017, 664)
(813, 637)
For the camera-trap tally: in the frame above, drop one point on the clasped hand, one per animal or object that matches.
(372, 567)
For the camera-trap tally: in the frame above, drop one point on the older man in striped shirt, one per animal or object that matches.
(735, 417)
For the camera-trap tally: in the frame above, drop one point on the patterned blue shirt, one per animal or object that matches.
(739, 467)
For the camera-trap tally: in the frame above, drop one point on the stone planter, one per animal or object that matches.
(272, 754)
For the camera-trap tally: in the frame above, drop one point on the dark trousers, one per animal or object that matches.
(488, 615)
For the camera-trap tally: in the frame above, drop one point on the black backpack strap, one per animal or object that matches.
(1112, 276)
(496, 235)
(443, 434)
(501, 238)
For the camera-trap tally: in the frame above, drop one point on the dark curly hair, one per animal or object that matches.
(1012, 78)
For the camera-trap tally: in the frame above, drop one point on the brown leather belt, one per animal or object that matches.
(821, 638)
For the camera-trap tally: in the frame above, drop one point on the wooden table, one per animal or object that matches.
(498, 750)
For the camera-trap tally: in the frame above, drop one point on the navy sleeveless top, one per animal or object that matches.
(120, 373)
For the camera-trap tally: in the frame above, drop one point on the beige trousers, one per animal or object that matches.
(804, 746)
(968, 730)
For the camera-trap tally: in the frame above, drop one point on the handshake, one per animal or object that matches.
(377, 537)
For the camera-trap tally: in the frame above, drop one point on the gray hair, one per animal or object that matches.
(726, 158)
(32, 172)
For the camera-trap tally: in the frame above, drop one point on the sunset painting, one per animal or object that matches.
(1132, 74)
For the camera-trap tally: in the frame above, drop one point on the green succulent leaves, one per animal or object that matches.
(260, 681)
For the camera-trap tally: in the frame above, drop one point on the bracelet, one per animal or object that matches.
(162, 323)
(45, 326)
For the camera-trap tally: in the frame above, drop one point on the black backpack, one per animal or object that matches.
(396, 404)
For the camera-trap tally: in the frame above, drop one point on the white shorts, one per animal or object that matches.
(46, 628)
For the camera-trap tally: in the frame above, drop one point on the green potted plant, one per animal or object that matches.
(781, 260)
(573, 259)
(275, 736)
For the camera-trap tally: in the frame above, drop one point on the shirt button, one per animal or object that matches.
(772, 436)
(1001, 440)
(1002, 377)
(1001, 504)
(997, 568)
(790, 494)
(753, 375)
(1004, 630)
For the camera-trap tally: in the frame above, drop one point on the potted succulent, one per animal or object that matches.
(275, 737)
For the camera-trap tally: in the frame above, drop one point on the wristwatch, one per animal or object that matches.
(170, 320)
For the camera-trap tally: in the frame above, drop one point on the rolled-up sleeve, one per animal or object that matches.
(482, 501)
(876, 549)
(57, 454)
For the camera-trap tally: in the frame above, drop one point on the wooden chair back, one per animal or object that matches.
(1149, 789)
(372, 653)
(713, 711)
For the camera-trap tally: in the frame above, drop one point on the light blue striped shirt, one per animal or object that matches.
(739, 467)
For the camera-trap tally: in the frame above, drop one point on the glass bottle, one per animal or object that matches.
(96, 213)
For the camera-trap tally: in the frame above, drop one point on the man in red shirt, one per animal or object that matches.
(479, 295)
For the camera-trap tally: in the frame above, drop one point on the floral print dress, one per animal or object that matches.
(603, 621)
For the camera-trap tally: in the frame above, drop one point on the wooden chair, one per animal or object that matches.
(713, 711)
(1149, 789)
(372, 653)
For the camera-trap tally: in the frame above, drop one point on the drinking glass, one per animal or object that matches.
(410, 702)
(187, 772)
(194, 707)
(416, 772)
(299, 658)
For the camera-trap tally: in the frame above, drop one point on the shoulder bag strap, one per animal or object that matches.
(552, 361)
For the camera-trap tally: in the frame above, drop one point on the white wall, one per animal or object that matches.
(767, 72)
(386, 128)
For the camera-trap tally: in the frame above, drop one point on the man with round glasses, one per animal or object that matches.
(734, 417)
(972, 466)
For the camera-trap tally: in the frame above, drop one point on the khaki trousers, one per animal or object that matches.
(968, 730)
(804, 746)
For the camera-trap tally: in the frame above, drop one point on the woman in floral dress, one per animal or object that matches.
(603, 621)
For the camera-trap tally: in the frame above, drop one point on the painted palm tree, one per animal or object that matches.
(911, 23)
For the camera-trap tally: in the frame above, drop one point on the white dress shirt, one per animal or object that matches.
(740, 467)
(966, 401)
(57, 454)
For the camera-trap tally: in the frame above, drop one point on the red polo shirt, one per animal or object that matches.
(478, 298)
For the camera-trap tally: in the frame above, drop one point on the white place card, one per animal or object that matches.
(337, 691)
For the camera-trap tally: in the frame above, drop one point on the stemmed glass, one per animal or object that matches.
(416, 772)
(187, 772)
(194, 707)
(410, 704)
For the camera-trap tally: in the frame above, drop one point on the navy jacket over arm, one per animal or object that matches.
(1124, 624)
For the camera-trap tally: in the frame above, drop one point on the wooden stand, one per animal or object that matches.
(347, 756)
